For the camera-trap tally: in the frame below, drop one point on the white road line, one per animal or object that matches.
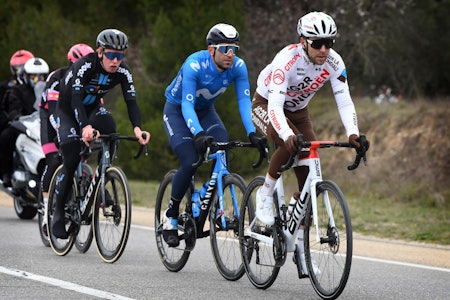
(394, 262)
(63, 284)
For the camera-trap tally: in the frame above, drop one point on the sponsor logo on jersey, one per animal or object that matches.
(278, 77)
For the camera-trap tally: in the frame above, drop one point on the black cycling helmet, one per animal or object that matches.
(222, 34)
(112, 39)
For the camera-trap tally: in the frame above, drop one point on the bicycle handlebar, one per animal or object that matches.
(115, 137)
(263, 151)
(327, 144)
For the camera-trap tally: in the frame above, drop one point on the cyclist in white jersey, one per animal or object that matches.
(284, 89)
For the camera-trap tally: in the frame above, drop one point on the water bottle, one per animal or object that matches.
(203, 191)
(195, 204)
(292, 203)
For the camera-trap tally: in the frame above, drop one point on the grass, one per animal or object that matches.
(370, 215)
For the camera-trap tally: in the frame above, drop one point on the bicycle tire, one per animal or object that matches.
(333, 254)
(225, 241)
(60, 246)
(173, 258)
(111, 224)
(42, 234)
(85, 234)
(258, 257)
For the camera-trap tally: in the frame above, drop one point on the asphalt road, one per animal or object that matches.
(28, 270)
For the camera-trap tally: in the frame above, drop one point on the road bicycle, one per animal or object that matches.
(321, 212)
(218, 200)
(99, 205)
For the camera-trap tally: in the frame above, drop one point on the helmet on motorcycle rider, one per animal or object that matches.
(316, 24)
(77, 51)
(222, 34)
(16, 63)
(112, 39)
(36, 69)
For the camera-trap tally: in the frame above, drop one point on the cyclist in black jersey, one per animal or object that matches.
(80, 111)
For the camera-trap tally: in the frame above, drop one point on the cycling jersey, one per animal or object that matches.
(292, 79)
(198, 84)
(86, 82)
(51, 91)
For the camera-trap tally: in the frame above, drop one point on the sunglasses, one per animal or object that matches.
(112, 55)
(317, 44)
(225, 49)
(37, 77)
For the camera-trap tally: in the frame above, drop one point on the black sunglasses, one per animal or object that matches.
(317, 44)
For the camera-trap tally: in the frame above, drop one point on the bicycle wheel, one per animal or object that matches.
(43, 232)
(85, 235)
(258, 256)
(60, 246)
(111, 222)
(173, 258)
(332, 253)
(225, 240)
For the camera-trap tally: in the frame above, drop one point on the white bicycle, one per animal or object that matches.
(321, 212)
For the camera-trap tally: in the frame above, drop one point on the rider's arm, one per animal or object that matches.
(344, 103)
(189, 87)
(242, 87)
(129, 94)
(277, 90)
(81, 71)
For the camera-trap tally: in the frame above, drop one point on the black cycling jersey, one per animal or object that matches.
(85, 84)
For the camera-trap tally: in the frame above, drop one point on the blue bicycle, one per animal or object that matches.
(218, 200)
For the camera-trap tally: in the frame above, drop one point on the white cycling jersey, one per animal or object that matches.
(292, 79)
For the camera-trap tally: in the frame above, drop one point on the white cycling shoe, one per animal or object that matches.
(316, 269)
(264, 209)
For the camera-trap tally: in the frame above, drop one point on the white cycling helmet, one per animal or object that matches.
(316, 24)
(36, 65)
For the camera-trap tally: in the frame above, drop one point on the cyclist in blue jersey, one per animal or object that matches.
(80, 111)
(190, 119)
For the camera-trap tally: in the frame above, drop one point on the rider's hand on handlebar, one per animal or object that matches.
(88, 134)
(356, 141)
(259, 142)
(143, 136)
(291, 144)
(202, 142)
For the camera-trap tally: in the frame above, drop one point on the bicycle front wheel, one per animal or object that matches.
(60, 246)
(258, 254)
(85, 235)
(112, 215)
(224, 228)
(329, 248)
(173, 258)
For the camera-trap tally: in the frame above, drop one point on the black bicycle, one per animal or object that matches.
(218, 200)
(101, 200)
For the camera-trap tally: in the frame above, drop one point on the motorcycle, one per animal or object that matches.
(29, 163)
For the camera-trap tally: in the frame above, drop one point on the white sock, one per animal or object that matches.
(268, 187)
(301, 247)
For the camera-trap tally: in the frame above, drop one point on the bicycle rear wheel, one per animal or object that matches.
(112, 217)
(257, 256)
(173, 258)
(60, 246)
(332, 253)
(43, 232)
(225, 240)
(85, 235)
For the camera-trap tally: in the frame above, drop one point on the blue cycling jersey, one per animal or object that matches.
(199, 83)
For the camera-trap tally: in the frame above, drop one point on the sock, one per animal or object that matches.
(174, 208)
(301, 247)
(268, 187)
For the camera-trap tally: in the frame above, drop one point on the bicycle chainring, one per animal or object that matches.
(279, 246)
(189, 230)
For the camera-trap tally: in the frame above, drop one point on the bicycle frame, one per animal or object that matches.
(215, 183)
(98, 178)
(291, 226)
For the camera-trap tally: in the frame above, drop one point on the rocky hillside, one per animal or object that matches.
(409, 157)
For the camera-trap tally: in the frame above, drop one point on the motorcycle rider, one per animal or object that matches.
(18, 59)
(47, 109)
(20, 100)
